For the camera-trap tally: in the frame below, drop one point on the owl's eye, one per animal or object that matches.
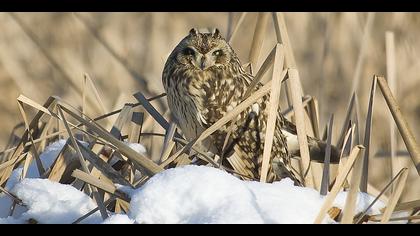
(189, 52)
(218, 53)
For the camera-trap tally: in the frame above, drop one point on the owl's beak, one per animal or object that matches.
(204, 63)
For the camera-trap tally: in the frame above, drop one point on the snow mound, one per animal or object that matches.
(47, 159)
(189, 194)
(198, 194)
(53, 203)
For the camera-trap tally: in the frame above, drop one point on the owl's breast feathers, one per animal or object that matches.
(200, 98)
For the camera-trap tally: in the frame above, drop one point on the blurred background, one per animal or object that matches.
(44, 54)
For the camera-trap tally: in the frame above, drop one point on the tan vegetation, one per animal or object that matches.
(95, 62)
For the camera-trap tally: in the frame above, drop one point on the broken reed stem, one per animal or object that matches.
(329, 199)
(300, 126)
(395, 196)
(86, 79)
(325, 183)
(137, 158)
(112, 198)
(83, 164)
(402, 125)
(349, 113)
(349, 207)
(283, 37)
(258, 40)
(62, 131)
(105, 186)
(273, 110)
(41, 169)
(367, 138)
(378, 196)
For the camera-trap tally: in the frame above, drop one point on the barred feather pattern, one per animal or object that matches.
(198, 98)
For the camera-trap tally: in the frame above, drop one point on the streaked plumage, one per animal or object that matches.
(204, 80)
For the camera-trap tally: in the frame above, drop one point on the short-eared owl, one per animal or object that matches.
(204, 80)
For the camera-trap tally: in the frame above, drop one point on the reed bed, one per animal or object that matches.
(107, 160)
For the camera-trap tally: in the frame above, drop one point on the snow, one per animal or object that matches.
(197, 194)
(54, 203)
(188, 194)
(47, 158)
(137, 147)
(118, 219)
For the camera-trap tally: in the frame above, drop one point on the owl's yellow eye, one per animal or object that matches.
(189, 52)
(218, 53)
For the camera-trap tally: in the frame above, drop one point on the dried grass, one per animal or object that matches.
(107, 138)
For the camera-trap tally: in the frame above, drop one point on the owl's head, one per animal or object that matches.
(203, 50)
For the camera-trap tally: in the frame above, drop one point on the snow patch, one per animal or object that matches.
(54, 203)
(118, 219)
(198, 194)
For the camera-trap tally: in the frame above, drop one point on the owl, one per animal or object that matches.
(204, 80)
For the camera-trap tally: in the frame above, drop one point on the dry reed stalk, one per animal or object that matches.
(168, 143)
(407, 218)
(273, 110)
(283, 37)
(122, 119)
(232, 114)
(367, 138)
(152, 110)
(33, 148)
(325, 182)
(136, 125)
(313, 111)
(402, 125)
(87, 79)
(408, 205)
(350, 205)
(62, 163)
(268, 62)
(17, 155)
(378, 196)
(391, 72)
(344, 128)
(109, 188)
(137, 158)
(112, 198)
(62, 131)
(329, 199)
(345, 151)
(395, 196)
(103, 167)
(83, 164)
(11, 195)
(300, 126)
(258, 40)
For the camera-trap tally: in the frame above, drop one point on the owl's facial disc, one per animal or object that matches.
(204, 61)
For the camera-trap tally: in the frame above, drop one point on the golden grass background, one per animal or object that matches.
(43, 54)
